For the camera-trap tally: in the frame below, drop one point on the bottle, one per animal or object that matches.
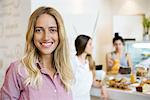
(116, 66)
(132, 78)
(148, 73)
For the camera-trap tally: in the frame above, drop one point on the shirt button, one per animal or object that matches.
(55, 76)
(55, 91)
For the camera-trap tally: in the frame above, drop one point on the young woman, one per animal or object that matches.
(84, 70)
(44, 73)
(118, 55)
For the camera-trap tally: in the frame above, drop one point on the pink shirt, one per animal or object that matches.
(14, 88)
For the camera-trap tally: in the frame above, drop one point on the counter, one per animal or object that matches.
(116, 94)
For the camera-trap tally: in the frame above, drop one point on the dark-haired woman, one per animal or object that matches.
(118, 55)
(84, 70)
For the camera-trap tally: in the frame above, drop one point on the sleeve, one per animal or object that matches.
(10, 88)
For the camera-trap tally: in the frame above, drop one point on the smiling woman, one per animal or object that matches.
(46, 35)
(44, 72)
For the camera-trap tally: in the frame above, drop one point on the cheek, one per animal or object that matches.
(120, 45)
(90, 49)
(35, 37)
(57, 39)
(115, 46)
(34, 40)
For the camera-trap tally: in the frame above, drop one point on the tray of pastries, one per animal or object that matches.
(147, 82)
(119, 84)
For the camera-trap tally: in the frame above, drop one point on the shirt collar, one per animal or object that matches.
(42, 68)
(38, 64)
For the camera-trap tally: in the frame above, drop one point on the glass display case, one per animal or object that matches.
(140, 53)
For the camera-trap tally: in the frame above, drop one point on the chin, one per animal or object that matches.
(46, 52)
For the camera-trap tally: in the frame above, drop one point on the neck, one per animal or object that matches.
(119, 52)
(47, 61)
(82, 57)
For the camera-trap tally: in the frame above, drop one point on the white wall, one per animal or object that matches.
(130, 7)
(13, 23)
(104, 31)
(129, 26)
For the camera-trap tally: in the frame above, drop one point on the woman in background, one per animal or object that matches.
(84, 70)
(44, 73)
(118, 55)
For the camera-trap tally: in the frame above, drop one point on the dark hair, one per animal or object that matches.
(117, 37)
(80, 43)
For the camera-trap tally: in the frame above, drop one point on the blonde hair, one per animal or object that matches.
(60, 58)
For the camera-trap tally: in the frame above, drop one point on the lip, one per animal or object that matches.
(46, 44)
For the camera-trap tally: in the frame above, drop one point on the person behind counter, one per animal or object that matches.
(84, 70)
(118, 58)
(44, 73)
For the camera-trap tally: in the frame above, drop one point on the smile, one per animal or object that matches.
(46, 44)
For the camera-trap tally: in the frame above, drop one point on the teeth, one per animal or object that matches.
(47, 44)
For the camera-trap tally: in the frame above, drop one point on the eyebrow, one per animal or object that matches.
(48, 27)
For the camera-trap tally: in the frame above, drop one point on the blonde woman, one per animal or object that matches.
(44, 72)
(84, 70)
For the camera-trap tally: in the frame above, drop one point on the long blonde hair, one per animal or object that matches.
(61, 58)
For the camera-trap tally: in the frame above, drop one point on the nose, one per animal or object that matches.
(46, 35)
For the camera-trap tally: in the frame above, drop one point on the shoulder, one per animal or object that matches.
(109, 54)
(127, 54)
(74, 64)
(13, 67)
(16, 68)
(74, 60)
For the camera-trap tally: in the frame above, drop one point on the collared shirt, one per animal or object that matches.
(15, 89)
(83, 80)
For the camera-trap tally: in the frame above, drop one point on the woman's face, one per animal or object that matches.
(89, 47)
(118, 45)
(46, 34)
